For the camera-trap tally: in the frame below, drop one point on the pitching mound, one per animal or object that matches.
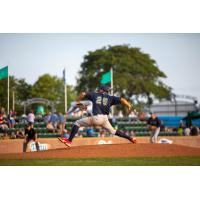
(111, 151)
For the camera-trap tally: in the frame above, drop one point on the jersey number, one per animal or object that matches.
(99, 100)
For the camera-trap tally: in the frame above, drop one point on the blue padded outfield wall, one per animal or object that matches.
(172, 121)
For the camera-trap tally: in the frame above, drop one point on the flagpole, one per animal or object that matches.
(112, 92)
(13, 101)
(8, 93)
(65, 90)
(65, 98)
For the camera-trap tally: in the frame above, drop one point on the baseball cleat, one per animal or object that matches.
(65, 141)
(133, 140)
(61, 139)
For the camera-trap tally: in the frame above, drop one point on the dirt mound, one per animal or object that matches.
(115, 150)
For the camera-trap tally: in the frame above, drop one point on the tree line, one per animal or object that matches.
(47, 86)
(137, 77)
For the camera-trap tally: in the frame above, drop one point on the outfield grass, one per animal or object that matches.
(168, 161)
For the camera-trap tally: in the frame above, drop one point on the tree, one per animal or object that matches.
(52, 88)
(21, 89)
(136, 74)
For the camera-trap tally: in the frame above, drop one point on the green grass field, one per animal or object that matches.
(141, 161)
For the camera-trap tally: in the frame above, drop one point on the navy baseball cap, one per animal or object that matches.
(105, 88)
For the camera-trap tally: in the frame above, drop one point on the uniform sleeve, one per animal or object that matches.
(26, 132)
(34, 132)
(116, 100)
(89, 96)
(158, 123)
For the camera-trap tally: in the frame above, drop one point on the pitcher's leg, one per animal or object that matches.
(81, 122)
(119, 133)
(74, 131)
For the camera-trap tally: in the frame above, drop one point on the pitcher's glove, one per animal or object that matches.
(81, 106)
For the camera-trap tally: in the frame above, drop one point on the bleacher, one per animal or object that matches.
(138, 127)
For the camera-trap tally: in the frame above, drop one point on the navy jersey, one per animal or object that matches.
(31, 133)
(102, 102)
(154, 122)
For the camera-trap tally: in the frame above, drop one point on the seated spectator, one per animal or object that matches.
(3, 123)
(19, 134)
(120, 114)
(61, 123)
(54, 120)
(24, 119)
(181, 129)
(90, 132)
(31, 117)
(194, 131)
(39, 117)
(11, 119)
(47, 117)
(102, 132)
(50, 127)
(187, 132)
(132, 115)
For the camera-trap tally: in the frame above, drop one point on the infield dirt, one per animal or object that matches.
(110, 151)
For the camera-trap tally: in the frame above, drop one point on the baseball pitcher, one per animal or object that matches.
(102, 103)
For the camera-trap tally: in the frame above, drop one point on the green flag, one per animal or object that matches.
(106, 78)
(4, 72)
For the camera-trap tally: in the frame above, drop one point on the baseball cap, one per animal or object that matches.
(151, 113)
(105, 88)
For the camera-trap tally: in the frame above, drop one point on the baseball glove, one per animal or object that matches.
(81, 106)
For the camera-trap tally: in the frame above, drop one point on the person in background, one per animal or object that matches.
(194, 131)
(24, 119)
(30, 135)
(61, 123)
(11, 119)
(3, 122)
(54, 120)
(31, 117)
(154, 126)
(187, 131)
(47, 118)
(90, 132)
(50, 128)
(39, 117)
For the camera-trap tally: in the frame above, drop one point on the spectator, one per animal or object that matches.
(120, 114)
(101, 131)
(24, 119)
(194, 131)
(187, 132)
(19, 134)
(181, 129)
(31, 117)
(132, 115)
(61, 123)
(50, 128)
(39, 117)
(11, 119)
(3, 123)
(47, 117)
(54, 120)
(90, 132)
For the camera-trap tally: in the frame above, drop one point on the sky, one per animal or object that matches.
(32, 55)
